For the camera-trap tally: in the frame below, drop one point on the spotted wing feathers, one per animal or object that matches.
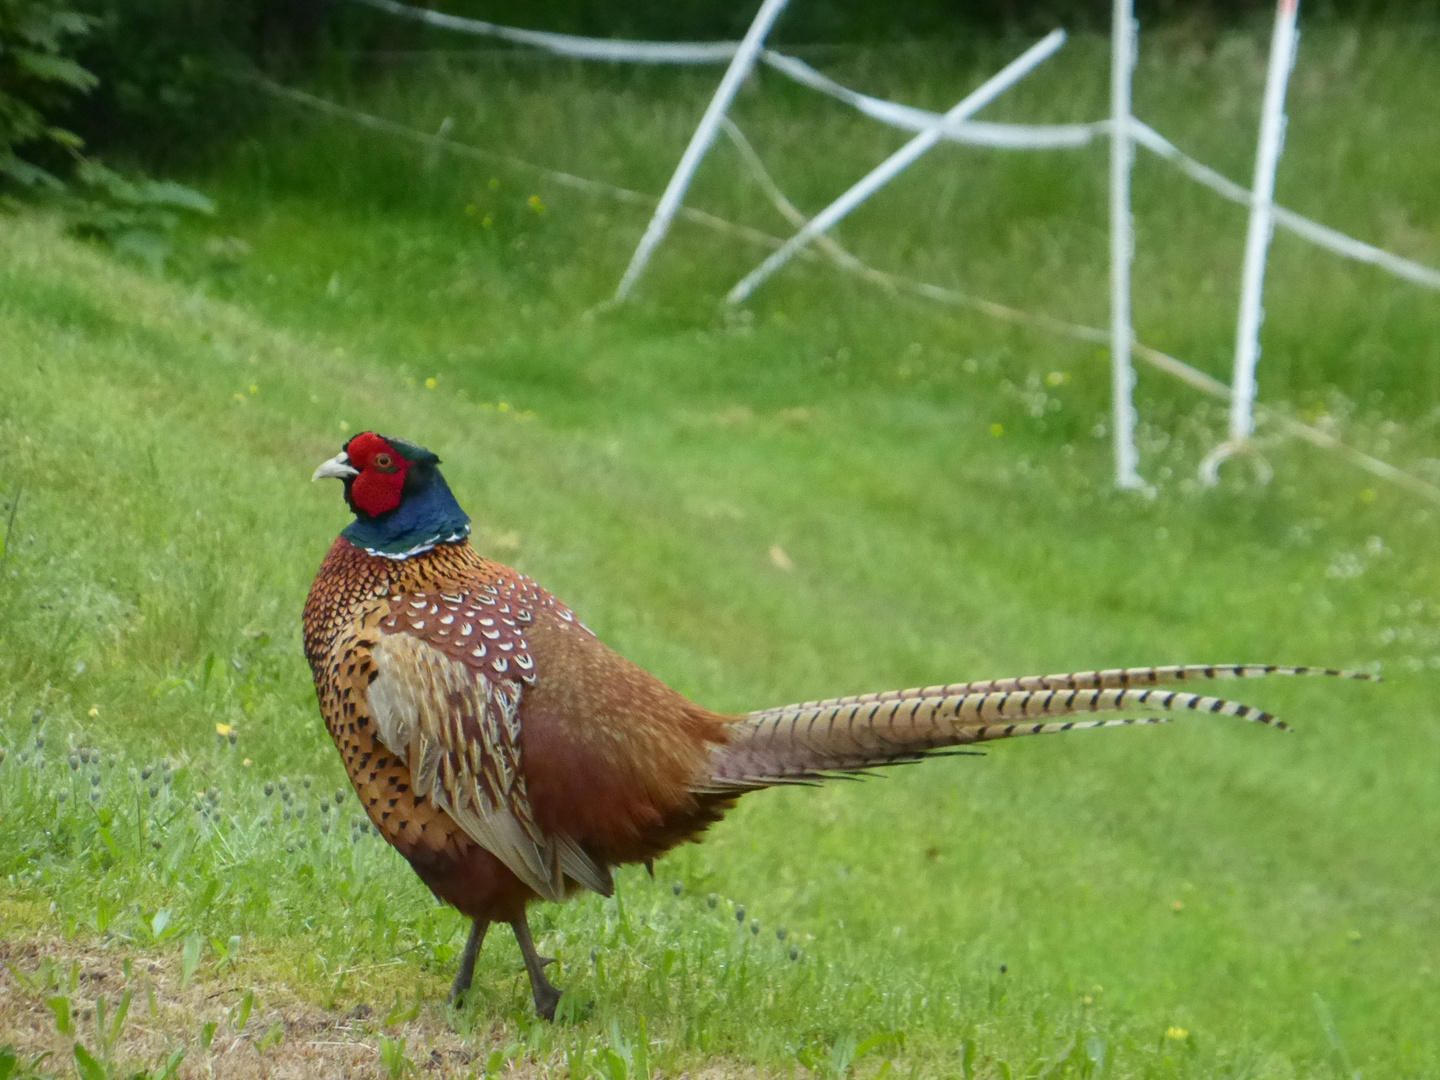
(446, 697)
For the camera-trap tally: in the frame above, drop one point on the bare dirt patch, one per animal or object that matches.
(279, 1036)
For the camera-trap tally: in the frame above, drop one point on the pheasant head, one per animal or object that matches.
(401, 502)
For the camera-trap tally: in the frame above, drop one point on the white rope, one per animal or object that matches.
(902, 159)
(580, 48)
(891, 283)
(788, 210)
(1320, 235)
(905, 117)
(909, 118)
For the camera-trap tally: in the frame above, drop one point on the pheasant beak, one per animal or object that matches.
(339, 467)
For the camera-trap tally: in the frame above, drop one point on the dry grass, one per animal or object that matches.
(283, 1036)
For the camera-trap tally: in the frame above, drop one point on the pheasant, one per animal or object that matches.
(510, 756)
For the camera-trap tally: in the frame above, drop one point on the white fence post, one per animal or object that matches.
(902, 159)
(740, 65)
(1122, 246)
(1257, 242)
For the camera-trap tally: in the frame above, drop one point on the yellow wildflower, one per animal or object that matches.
(1179, 1034)
(223, 730)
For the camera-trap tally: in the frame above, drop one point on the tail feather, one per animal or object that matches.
(803, 743)
(1082, 680)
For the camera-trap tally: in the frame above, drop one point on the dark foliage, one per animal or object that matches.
(166, 67)
(38, 76)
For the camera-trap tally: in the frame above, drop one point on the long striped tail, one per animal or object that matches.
(797, 744)
(1087, 680)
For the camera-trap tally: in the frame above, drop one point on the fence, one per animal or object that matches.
(1123, 129)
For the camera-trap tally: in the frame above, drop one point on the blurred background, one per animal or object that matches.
(235, 234)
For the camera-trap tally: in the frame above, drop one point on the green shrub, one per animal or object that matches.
(38, 77)
(167, 67)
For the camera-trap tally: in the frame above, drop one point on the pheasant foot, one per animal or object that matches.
(547, 996)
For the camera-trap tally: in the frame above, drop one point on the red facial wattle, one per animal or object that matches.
(377, 490)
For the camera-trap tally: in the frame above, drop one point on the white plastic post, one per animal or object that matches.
(1122, 246)
(1257, 241)
(735, 74)
(897, 162)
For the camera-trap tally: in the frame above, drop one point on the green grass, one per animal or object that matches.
(1060, 904)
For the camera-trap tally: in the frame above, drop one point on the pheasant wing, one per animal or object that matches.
(450, 672)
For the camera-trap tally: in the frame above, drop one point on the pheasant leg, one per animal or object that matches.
(546, 995)
(467, 960)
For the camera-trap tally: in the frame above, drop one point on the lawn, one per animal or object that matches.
(833, 490)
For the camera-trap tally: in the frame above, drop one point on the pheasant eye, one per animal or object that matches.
(383, 462)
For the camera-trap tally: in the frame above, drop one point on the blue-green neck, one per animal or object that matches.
(427, 515)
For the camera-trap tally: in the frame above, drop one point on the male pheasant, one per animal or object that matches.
(510, 756)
